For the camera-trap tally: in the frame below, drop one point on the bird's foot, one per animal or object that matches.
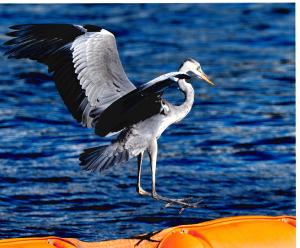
(183, 202)
(142, 192)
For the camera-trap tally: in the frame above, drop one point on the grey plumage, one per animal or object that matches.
(104, 157)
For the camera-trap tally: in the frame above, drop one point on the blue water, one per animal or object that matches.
(236, 149)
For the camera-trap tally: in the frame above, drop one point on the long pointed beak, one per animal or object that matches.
(203, 76)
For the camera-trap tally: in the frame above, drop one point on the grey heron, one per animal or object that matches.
(89, 76)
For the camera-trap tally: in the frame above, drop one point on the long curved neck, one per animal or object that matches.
(183, 109)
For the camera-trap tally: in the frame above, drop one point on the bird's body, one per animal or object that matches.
(90, 78)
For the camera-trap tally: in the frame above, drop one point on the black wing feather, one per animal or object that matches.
(138, 105)
(50, 44)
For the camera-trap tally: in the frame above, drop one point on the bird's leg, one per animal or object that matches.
(139, 188)
(183, 203)
(153, 159)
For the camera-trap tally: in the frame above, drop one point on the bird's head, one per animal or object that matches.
(193, 68)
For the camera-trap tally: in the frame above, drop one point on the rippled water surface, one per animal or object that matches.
(236, 149)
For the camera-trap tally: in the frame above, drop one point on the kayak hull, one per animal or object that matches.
(231, 232)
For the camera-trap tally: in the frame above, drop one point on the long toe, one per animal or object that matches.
(183, 203)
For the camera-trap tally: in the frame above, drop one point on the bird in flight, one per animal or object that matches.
(90, 78)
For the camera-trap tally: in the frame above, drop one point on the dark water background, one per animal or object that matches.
(236, 149)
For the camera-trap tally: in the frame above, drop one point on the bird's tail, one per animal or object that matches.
(101, 158)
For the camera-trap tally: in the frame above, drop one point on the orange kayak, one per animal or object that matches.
(231, 232)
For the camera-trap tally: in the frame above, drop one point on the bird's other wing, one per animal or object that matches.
(138, 105)
(84, 60)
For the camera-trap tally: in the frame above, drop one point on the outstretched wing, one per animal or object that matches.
(84, 60)
(138, 105)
